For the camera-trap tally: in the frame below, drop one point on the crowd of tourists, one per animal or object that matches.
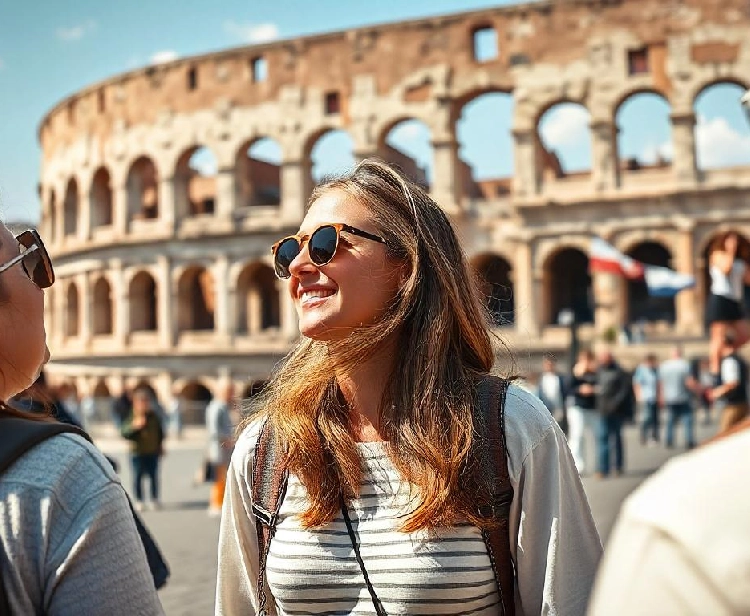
(388, 467)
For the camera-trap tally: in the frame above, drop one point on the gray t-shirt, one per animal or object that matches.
(69, 539)
(674, 374)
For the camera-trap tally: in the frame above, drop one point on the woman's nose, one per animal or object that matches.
(301, 264)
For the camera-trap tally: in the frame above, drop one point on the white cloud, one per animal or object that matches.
(76, 32)
(164, 56)
(410, 130)
(719, 145)
(565, 125)
(654, 152)
(251, 33)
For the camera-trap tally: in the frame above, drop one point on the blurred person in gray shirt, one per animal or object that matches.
(677, 387)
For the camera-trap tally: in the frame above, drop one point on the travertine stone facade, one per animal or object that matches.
(167, 279)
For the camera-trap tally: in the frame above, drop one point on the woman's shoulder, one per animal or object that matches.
(244, 447)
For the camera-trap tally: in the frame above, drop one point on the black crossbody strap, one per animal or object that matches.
(355, 544)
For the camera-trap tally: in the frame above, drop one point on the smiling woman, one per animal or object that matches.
(79, 552)
(373, 416)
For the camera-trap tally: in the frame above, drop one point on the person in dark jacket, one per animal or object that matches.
(614, 400)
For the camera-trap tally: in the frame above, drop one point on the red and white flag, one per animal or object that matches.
(606, 258)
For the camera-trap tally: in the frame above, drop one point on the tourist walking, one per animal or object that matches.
(731, 395)
(375, 411)
(647, 389)
(68, 540)
(144, 431)
(175, 414)
(614, 404)
(552, 393)
(678, 387)
(583, 419)
(220, 430)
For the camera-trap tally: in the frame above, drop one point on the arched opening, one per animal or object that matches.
(196, 397)
(485, 155)
(496, 280)
(70, 208)
(258, 174)
(722, 131)
(565, 141)
(101, 199)
(142, 294)
(331, 154)
(643, 307)
(72, 314)
(101, 391)
(195, 293)
(102, 307)
(195, 182)
(408, 146)
(644, 145)
(258, 300)
(567, 283)
(143, 190)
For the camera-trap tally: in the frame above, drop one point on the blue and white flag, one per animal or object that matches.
(664, 282)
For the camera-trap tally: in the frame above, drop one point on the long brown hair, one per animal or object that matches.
(443, 345)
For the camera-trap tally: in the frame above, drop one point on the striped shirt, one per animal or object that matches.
(553, 542)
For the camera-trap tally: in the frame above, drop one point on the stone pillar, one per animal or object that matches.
(86, 207)
(221, 288)
(289, 321)
(165, 318)
(446, 181)
(225, 193)
(60, 219)
(527, 319)
(604, 167)
(120, 208)
(684, 164)
(526, 173)
(689, 308)
(608, 302)
(121, 300)
(87, 304)
(167, 205)
(296, 186)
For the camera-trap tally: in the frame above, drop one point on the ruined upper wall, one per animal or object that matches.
(536, 42)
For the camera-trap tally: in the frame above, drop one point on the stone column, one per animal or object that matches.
(689, 308)
(221, 288)
(684, 164)
(527, 319)
(87, 303)
(120, 207)
(60, 218)
(225, 194)
(296, 186)
(121, 303)
(166, 319)
(446, 180)
(526, 173)
(86, 205)
(604, 169)
(608, 302)
(167, 205)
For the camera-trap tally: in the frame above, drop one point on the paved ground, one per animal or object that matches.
(188, 536)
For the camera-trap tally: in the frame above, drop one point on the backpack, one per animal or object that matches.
(17, 436)
(270, 479)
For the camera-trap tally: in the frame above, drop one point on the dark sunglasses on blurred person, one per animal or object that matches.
(34, 259)
(322, 244)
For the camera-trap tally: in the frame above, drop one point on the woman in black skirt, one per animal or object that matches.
(729, 271)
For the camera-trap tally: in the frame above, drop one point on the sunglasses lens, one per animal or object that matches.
(323, 244)
(286, 252)
(36, 263)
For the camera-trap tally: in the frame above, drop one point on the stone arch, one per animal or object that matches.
(196, 300)
(642, 307)
(71, 208)
(195, 182)
(102, 321)
(722, 130)
(196, 397)
(406, 143)
(483, 122)
(701, 87)
(564, 139)
(257, 173)
(567, 285)
(495, 276)
(101, 199)
(142, 187)
(330, 151)
(637, 151)
(258, 299)
(142, 296)
(72, 312)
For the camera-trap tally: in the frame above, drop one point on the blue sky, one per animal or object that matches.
(50, 49)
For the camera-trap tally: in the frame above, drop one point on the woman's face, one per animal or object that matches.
(356, 287)
(23, 347)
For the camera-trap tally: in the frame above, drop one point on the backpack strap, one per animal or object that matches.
(270, 478)
(17, 436)
(492, 465)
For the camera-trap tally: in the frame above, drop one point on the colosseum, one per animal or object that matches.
(164, 272)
